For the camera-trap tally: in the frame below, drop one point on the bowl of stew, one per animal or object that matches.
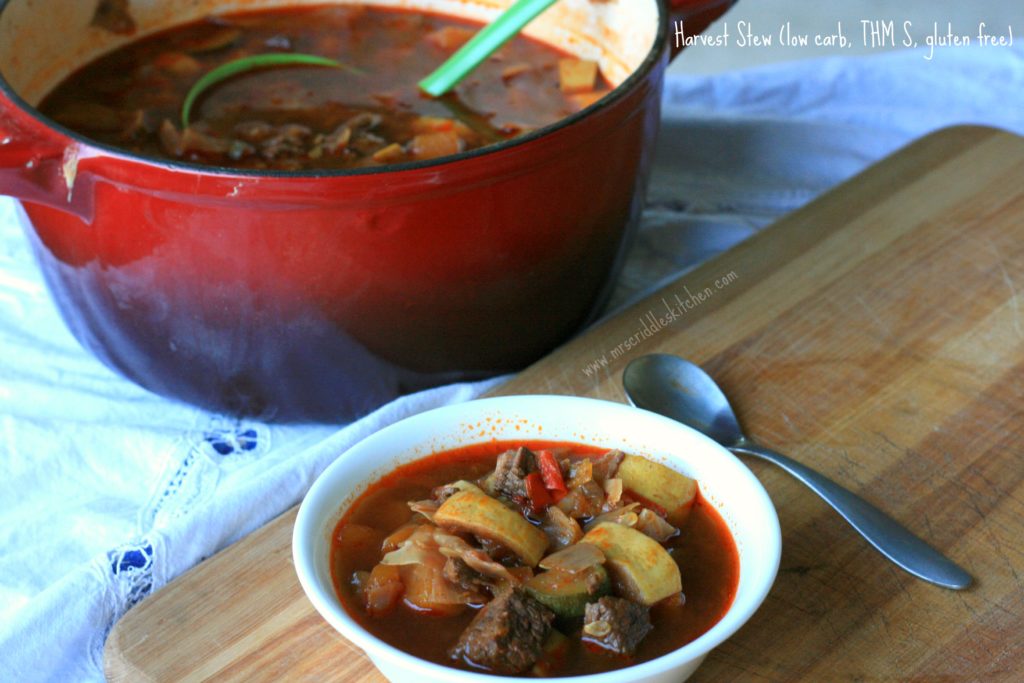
(317, 241)
(537, 537)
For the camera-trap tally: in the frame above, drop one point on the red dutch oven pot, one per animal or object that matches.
(306, 296)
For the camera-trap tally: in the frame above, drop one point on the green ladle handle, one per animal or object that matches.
(483, 45)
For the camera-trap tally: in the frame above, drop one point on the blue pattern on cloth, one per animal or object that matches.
(107, 492)
(132, 565)
(230, 442)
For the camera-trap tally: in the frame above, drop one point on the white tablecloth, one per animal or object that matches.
(108, 492)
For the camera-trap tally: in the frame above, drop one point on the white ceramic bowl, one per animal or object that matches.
(724, 481)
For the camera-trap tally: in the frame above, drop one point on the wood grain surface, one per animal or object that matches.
(877, 335)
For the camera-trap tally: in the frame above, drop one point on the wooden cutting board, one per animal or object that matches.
(877, 335)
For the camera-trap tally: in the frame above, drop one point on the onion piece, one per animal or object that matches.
(655, 526)
(427, 508)
(575, 558)
(399, 536)
(429, 545)
(627, 515)
(613, 491)
(478, 560)
(408, 553)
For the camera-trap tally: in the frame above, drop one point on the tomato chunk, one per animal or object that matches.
(539, 497)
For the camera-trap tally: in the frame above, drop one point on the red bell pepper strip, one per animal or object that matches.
(551, 472)
(539, 497)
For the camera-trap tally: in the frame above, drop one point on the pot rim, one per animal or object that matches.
(615, 96)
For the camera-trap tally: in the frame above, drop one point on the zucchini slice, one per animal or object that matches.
(641, 569)
(659, 484)
(567, 593)
(478, 513)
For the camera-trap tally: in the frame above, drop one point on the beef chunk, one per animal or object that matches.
(616, 624)
(511, 471)
(464, 576)
(507, 635)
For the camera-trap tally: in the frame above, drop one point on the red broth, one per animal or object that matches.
(704, 551)
(300, 117)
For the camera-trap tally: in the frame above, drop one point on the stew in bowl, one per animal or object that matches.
(479, 540)
(541, 559)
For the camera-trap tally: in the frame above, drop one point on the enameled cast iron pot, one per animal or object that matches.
(320, 295)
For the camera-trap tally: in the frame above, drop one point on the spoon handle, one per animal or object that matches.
(887, 535)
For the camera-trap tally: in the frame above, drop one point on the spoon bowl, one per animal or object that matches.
(684, 392)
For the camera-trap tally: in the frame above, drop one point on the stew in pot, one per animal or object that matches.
(309, 117)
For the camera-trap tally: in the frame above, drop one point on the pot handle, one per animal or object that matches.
(38, 164)
(691, 17)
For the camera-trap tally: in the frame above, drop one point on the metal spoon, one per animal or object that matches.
(676, 388)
